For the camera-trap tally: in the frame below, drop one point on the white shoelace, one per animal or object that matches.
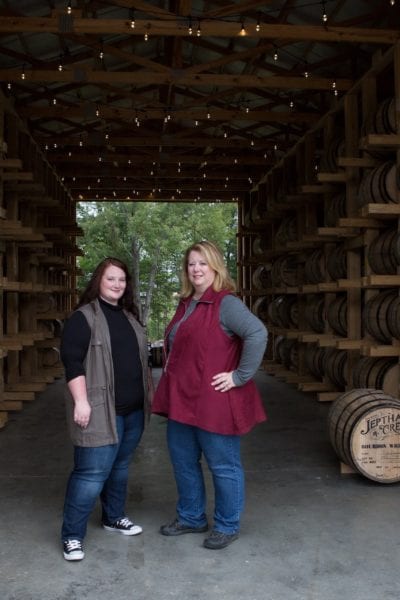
(125, 522)
(73, 545)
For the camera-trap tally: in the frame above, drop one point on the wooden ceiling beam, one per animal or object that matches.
(72, 162)
(90, 76)
(179, 28)
(96, 139)
(159, 182)
(201, 114)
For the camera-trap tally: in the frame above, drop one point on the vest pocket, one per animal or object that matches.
(98, 422)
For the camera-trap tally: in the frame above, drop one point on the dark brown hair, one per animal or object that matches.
(92, 290)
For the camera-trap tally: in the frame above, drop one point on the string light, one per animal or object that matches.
(392, 2)
(69, 7)
(242, 30)
(97, 112)
(146, 36)
(23, 73)
(276, 55)
(190, 28)
(324, 15)
(60, 66)
(9, 86)
(198, 32)
(132, 17)
(258, 24)
(54, 101)
(291, 104)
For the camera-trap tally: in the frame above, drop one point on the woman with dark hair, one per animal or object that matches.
(213, 346)
(105, 355)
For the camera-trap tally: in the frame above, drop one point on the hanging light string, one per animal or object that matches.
(242, 31)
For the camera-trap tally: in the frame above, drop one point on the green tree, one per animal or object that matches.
(151, 239)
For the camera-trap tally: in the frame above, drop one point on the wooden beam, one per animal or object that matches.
(202, 114)
(179, 28)
(97, 141)
(85, 76)
(122, 162)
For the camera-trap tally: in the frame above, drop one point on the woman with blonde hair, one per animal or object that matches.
(213, 347)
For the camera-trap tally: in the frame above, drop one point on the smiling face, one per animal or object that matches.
(112, 284)
(200, 274)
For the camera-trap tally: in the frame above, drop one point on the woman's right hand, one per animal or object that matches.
(82, 413)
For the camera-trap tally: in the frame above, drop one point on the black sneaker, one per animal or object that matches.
(73, 550)
(124, 526)
(217, 540)
(176, 528)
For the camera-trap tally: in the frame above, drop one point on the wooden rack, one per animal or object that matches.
(318, 215)
(37, 264)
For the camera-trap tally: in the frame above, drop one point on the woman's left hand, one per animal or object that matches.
(223, 382)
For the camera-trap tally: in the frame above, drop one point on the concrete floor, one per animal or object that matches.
(308, 533)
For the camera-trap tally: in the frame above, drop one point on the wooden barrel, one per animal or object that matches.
(49, 357)
(340, 412)
(262, 277)
(260, 308)
(336, 262)
(374, 372)
(335, 367)
(393, 318)
(284, 271)
(46, 327)
(314, 359)
(260, 245)
(259, 211)
(379, 185)
(364, 429)
(335, 208)
(283, 311)
(385, 117)
(314, 267)
(376, 316)
(329, 159)
(287, 231)
(337, 315)
(45, 303)
(384, 252)
(287, 352)
(314, 312)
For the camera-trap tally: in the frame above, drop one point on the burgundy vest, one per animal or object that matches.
(200, 350)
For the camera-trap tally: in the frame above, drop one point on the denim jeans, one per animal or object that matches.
(101, 471)
(222, 452)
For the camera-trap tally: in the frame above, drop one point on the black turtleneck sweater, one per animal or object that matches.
(128, 381)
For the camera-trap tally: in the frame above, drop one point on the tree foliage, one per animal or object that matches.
(151, 238)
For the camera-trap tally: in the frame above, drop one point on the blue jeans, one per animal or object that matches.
(222, 452)
(101, 471)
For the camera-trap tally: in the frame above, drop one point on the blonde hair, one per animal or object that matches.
(213, 256)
